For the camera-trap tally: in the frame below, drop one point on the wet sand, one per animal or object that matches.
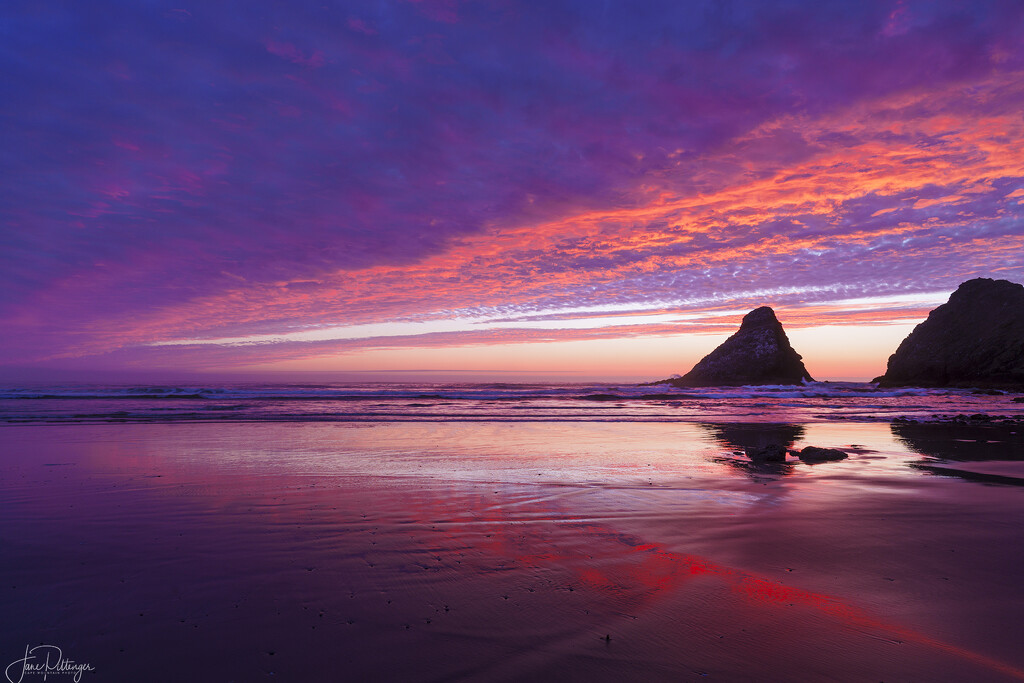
(497, 551)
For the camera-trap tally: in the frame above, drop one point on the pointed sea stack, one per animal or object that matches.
(759, 353)
(976, 339)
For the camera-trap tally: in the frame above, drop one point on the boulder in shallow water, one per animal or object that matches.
(758, 353)
(813, 455)
(773, 452)
(976, 339)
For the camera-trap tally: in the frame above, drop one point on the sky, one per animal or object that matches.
(496, 190)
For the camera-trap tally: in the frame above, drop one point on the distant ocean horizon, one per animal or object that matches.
(498, 401)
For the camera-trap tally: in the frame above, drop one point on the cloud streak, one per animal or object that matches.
(191, 177)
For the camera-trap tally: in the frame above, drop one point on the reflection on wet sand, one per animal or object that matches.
(969, 475)
(741, 438)
(278, 556)
(751, 435)
(963, 442)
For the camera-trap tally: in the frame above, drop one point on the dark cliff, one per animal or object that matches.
(976, 339)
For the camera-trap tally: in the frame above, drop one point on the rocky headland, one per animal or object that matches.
(976, 339)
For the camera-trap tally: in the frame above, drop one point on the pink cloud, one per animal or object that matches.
(444, 11)
(361, 26)
(294, 54)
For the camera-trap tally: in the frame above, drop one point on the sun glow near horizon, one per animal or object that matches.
(501, 184)
(830, 352)
(841, 339)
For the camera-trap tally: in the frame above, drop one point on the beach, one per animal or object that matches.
(499, 550)
(444, 341)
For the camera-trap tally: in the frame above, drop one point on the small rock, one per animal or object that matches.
(773, 452)
(813, 454)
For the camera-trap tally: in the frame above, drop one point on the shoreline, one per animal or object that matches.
(494, 551)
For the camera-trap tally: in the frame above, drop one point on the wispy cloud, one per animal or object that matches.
(495, 173)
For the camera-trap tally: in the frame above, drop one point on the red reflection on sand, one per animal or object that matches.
(528, 533)
(548, 534)
(663, 569)
(649, 572)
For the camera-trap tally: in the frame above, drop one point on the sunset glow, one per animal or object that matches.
(485, 189)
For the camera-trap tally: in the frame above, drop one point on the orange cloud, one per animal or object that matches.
(904, 158)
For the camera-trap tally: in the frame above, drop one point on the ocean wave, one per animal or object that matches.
(486, 392)
(495, 401)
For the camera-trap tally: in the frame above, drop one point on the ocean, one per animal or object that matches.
(338, 402)
(508, 532)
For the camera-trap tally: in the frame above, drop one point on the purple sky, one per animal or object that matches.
(356, 186)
